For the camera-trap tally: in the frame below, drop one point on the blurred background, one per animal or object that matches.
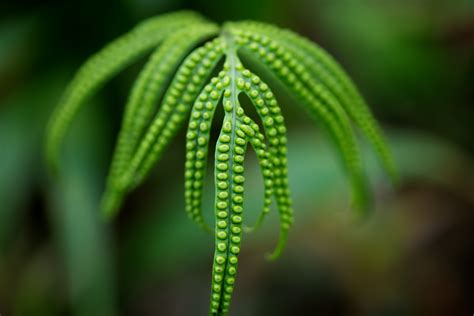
(413, 61)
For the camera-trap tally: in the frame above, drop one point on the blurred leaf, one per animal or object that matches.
(22, 119)
(83, 239)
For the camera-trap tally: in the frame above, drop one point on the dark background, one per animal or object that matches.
(414, 62)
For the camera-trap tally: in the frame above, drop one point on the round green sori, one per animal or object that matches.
(181, 82)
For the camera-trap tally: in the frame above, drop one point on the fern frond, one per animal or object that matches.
(318, 101)
(197, 147)
(105, 64)
(273, 122)
(327, 70)
(229, 186)
(257, 140)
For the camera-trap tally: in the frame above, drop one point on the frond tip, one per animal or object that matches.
(180, 81)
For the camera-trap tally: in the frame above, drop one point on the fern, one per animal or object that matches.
(188, 48)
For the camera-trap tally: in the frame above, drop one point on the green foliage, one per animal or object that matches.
(178, 76)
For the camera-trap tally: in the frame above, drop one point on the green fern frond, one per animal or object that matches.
(229, 186)
(257, 140)
(273, 122)
(327, 71)
(176, 84)
(317, 100)
(197, 145)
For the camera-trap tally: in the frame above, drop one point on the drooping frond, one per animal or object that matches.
(229, 186)
(274, 126)
(176, 84)
(105, 64)
(331, 75)
(197, 147)
(237, 131)
(320, 103)
(257, 140)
